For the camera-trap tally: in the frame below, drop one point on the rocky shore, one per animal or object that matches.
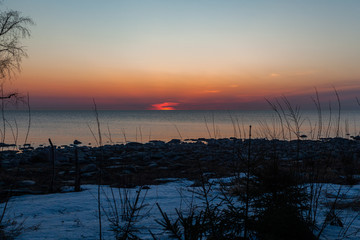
(126, 165)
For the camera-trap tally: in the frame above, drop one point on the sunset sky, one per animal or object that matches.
(188, 54)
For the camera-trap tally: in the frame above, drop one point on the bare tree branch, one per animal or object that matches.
(13, 27)
(9, 96)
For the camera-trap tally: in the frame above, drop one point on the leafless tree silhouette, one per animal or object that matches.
(13, 28)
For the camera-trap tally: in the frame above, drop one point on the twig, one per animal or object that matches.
(99, 167)
(29, 118)
(207, 127)
(339, 112)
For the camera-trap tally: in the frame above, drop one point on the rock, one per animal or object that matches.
(176, 158)
(153, 165)
(357, 138)
(157, 143)
(136, 155)
(6, 145)
(5, 163)
(157, 155)
(40, 157)
(174, 141)
(131, 169)
(206, 158)
(89, 174)
(89, 168)
(61, 158)
(134, 144)
(26, 183)
(126, 172)
(65, 189)
(115, 159)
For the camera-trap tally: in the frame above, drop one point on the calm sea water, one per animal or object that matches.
(63, 127)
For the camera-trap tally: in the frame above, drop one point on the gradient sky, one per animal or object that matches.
(188, 54)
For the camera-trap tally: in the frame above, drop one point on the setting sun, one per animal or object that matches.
(164, 106)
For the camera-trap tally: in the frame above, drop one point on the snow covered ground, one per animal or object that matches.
(74, 215)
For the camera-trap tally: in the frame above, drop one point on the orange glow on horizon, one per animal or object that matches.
(140, 90)
(133, 84)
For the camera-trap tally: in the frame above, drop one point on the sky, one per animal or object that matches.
(189, 54)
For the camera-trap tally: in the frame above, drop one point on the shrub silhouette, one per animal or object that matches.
(279, 204)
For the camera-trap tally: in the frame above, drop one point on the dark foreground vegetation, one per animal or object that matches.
(273, 195)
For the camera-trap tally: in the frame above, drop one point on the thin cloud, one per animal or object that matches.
(274, 75)
(212, 91)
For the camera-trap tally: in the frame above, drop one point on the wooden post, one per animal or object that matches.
(77, 171)
(52, 155)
